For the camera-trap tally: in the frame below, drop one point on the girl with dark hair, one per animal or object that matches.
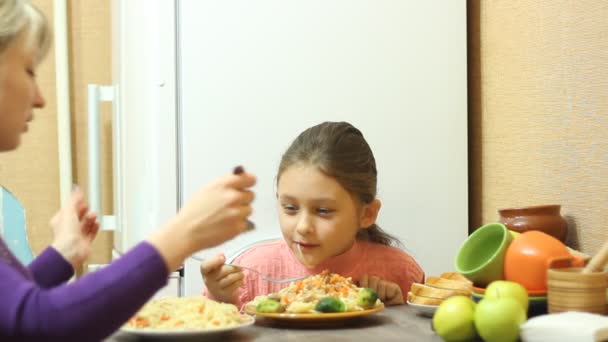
(326, 192)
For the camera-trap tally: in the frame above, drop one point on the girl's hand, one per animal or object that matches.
(221, 280)
(388, 292)
(74, 229)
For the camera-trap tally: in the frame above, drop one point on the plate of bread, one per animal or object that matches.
(426, 298)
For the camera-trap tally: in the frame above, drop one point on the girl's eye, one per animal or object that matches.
(288, 208)
(324, 211)
(31, 72)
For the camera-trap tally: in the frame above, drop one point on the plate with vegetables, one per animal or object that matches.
(321, 297)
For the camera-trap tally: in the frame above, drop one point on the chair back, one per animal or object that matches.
(12, 226)
(230, 258)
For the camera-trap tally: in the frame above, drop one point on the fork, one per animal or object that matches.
(267, 278)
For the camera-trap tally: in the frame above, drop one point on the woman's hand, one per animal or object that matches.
(216, 213)
(74, 229)
(388, 292)
(221, 280)
(219, 211)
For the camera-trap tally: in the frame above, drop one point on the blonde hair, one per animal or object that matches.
(21, 17)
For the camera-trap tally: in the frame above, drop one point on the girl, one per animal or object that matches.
(326, 192)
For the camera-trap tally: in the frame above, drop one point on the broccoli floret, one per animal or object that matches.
(366, 298)
(330, 304)
(269, 306)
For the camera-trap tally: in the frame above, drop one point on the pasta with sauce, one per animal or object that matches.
(186, 313)
(303, 296)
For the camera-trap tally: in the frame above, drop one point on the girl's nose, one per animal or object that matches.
(304, 225)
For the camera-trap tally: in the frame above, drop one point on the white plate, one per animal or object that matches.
(424, 310)
(182, 333)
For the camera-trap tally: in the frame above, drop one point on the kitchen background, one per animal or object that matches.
(538, 96)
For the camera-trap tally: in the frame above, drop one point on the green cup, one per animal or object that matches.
(481, 256)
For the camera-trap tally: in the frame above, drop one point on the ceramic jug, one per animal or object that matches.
(544, 218)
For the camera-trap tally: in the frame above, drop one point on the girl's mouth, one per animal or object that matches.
(306, 246)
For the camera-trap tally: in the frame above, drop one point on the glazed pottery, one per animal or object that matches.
(481, 256)
(530, 256)
(545, 218)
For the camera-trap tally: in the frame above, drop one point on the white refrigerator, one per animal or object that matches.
(200, 86)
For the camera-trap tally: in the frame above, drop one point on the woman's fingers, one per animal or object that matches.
(94, 230)
(241, 181)
(87, 221)
(82, 208)
(238, 197)
(76, 200)
(90, 225)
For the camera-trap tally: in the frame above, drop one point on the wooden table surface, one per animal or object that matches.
(397, 323)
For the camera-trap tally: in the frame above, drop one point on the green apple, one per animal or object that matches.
(454, 319)
(506, 288)
(498, 319)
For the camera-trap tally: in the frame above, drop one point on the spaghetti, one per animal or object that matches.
(186, 313)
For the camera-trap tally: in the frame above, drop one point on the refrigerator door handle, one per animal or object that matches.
(95, 95)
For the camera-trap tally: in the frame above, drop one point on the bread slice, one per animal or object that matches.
(436, 292)
(455, 276)
(412, 298)
(449, 284)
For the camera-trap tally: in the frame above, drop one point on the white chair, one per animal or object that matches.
(230, 258)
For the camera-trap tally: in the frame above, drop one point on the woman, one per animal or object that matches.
(36, 302)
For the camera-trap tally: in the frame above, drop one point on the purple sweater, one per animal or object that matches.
(36, 303)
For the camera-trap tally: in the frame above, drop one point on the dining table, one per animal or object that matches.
(394, 323)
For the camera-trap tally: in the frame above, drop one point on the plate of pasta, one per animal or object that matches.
(185, 317)
(322, 297)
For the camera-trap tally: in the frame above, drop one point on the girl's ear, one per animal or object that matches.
(370, 213)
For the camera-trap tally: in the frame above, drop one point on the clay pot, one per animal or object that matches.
(545, 218)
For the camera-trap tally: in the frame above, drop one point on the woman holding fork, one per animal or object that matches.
(36, 302)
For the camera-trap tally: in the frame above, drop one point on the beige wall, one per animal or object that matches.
(32, 172)
(539, 111)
